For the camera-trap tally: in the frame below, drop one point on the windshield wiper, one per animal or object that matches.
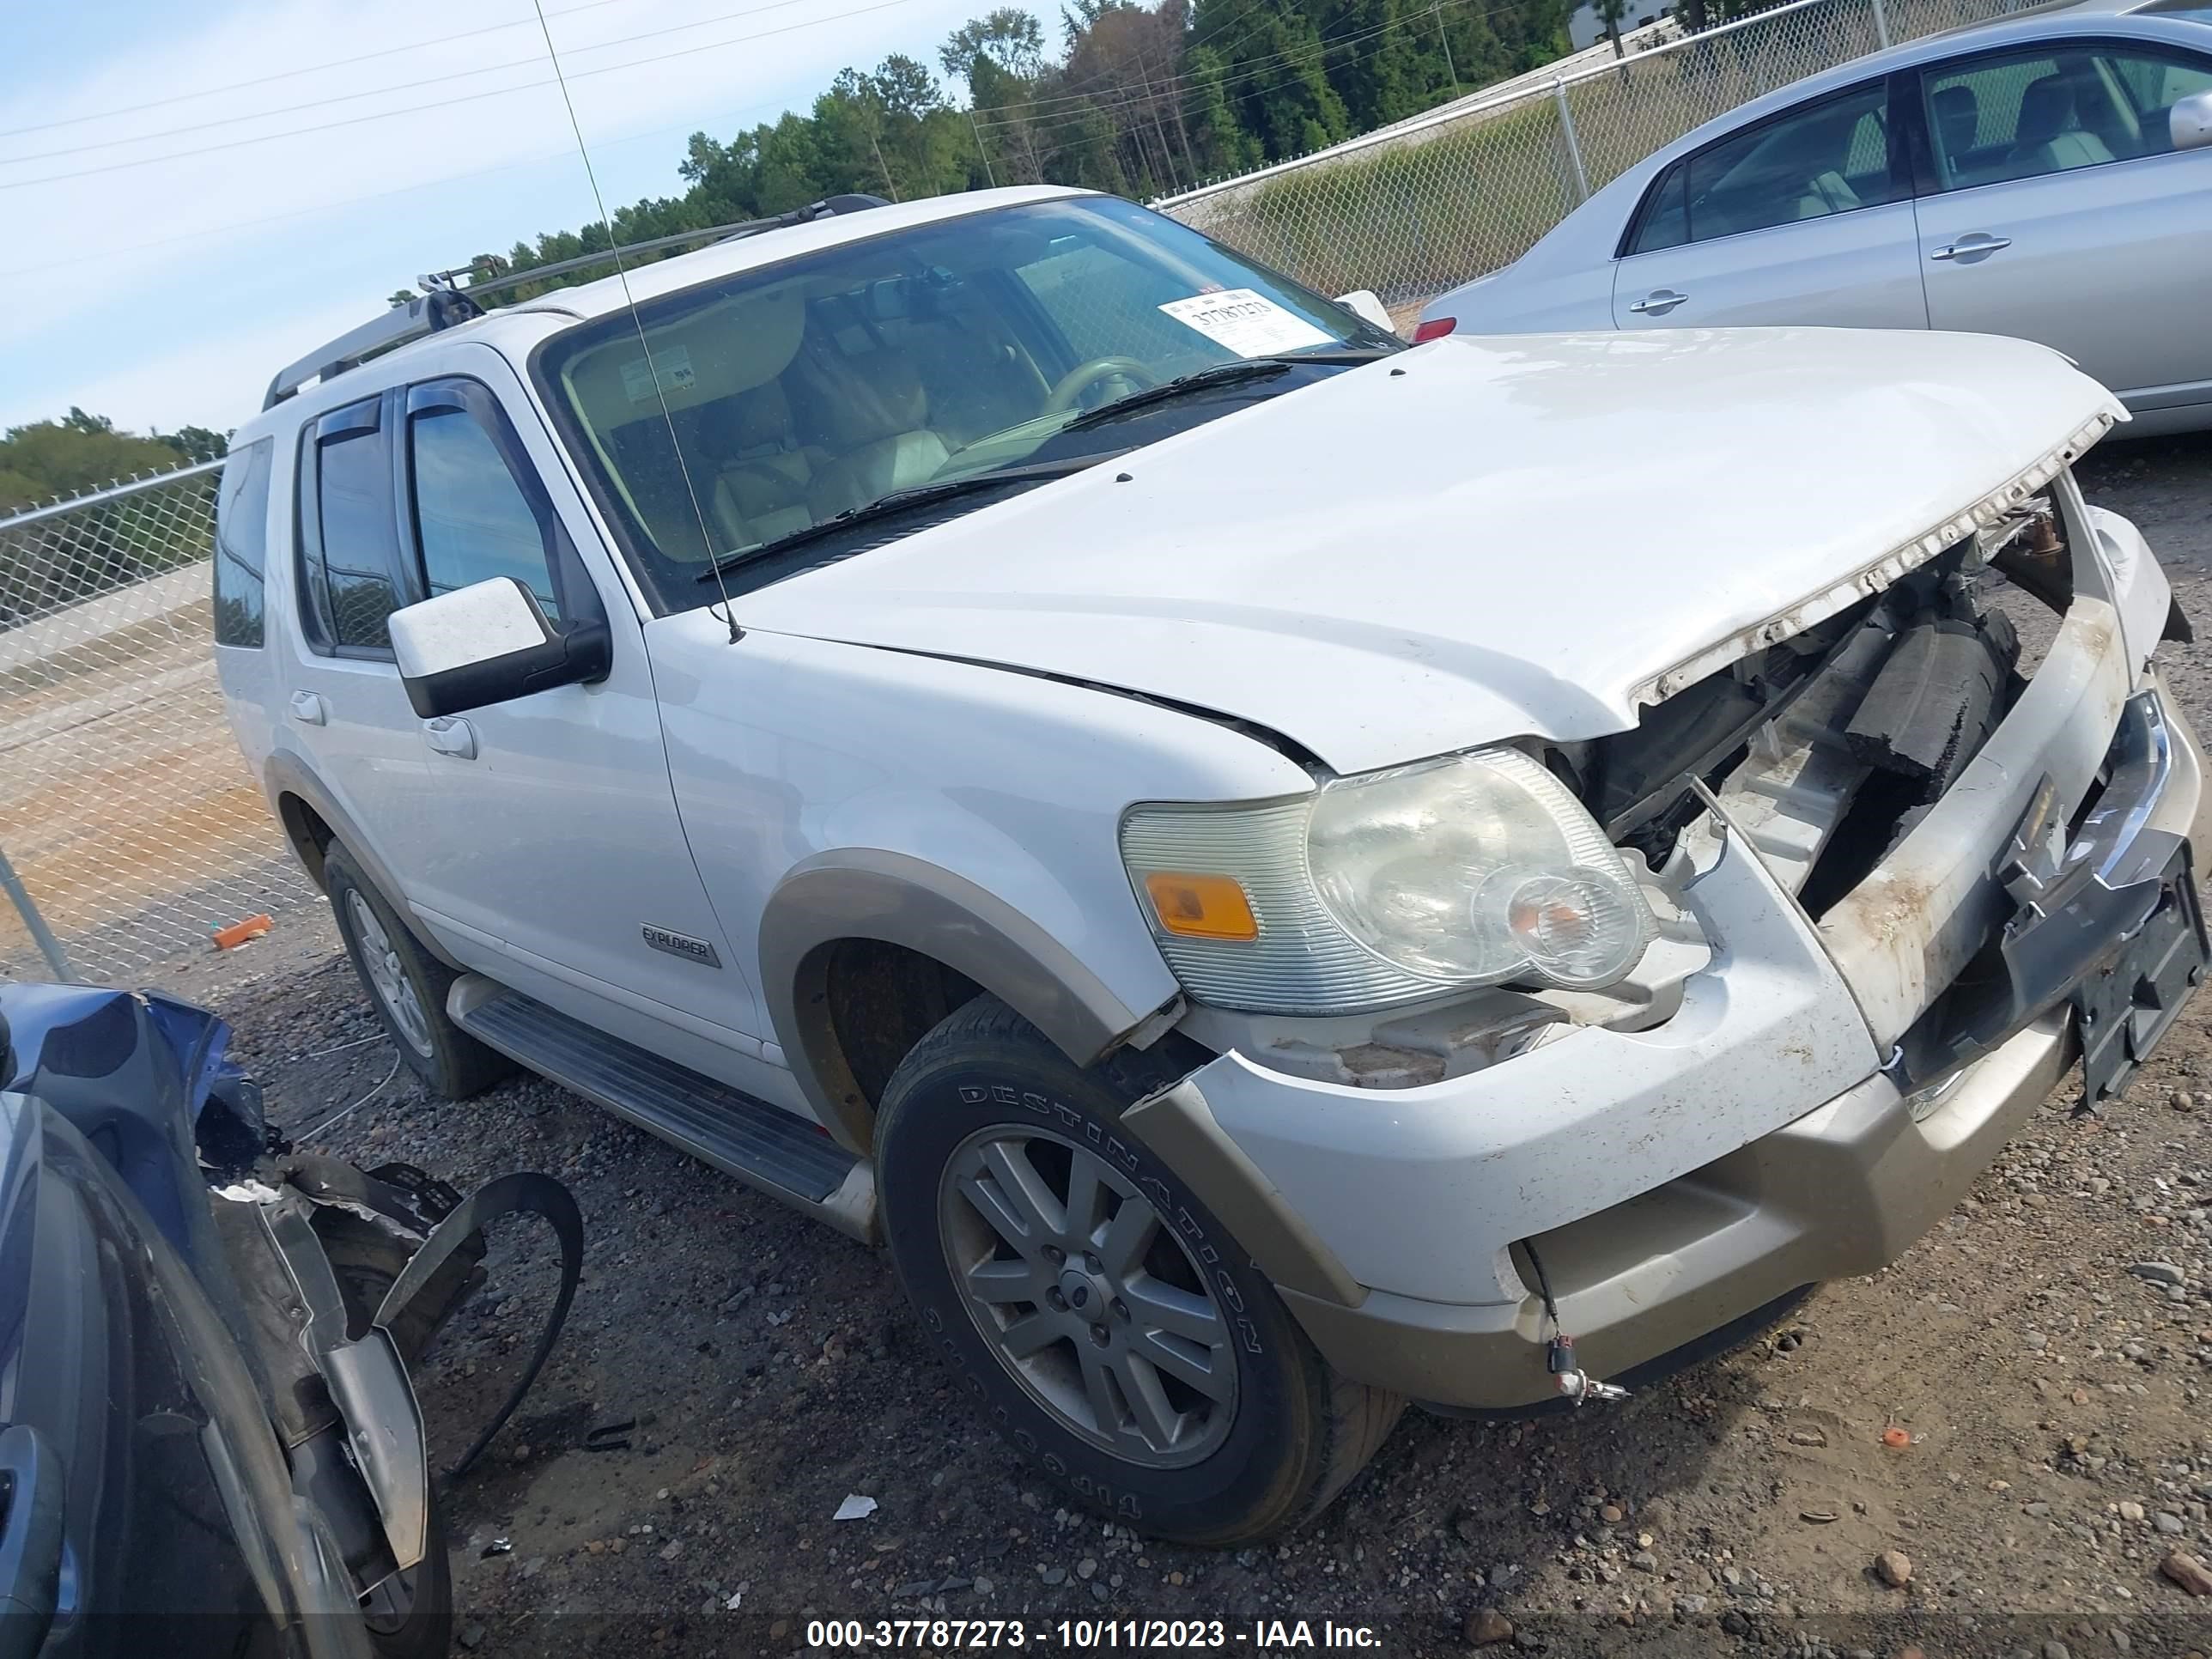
(898, 500)
(1244, 368)
(1229, 374)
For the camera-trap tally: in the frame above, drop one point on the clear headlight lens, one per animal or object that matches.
(1387, 888)
(1476, 869)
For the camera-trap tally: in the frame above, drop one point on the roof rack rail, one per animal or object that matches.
(440, 308)
(444, 305)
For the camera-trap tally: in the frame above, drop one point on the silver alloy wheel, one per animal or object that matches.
(388, 976)
(1088, 1301)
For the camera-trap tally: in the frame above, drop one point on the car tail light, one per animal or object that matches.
(1435, 329)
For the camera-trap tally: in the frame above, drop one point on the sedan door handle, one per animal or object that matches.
(1972, 247)
(449, 735)
(1658, 302)
(309, 710)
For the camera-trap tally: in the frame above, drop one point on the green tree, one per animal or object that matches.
(197, 443)
(1010, 39)
(71, 455)
(1142, 99)
(1277, 80)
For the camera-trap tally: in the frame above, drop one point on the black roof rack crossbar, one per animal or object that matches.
(440, 308)
(444, 305)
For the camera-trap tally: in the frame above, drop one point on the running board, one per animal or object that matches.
(781, 1154)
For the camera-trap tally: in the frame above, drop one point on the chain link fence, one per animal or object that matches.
(130, 830)
(1417, 207)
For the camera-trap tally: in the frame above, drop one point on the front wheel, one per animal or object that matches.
(1107, 1322)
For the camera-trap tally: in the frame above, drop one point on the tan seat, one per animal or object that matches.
(761, 493)
(1826, 193)
(1958, 122)
(878, 411)
(2050, 138)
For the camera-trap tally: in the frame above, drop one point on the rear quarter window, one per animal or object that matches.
(241, 545)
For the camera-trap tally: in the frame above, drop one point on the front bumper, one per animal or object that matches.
(1818, 1102)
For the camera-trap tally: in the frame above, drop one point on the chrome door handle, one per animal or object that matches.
(309, 710)
(1971, 247)
(449, 735)
(1658, 302)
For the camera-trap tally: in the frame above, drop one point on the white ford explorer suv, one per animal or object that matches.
(1280, 874)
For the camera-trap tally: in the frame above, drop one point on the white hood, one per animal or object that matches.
(1478, 539)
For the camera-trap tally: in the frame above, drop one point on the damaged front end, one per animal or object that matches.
(1904, 869)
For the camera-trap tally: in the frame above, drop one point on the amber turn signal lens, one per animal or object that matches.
(1201, 907)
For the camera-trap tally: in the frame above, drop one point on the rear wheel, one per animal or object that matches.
(407, 985)
(1103, 1317)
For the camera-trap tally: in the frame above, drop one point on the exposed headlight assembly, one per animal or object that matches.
(1387, 887)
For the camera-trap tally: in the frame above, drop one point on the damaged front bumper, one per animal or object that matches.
(1822, 1096)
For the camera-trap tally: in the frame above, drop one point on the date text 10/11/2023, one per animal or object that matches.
(941, 1634)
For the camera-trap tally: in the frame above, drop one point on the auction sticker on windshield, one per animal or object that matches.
(1250, 324)
(672, 365)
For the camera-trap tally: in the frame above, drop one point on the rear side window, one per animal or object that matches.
(351, 550)
(1828, 158)
(241, 539)
(2027, 115)
(471, 519)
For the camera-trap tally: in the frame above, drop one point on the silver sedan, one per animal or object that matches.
(2047, 175)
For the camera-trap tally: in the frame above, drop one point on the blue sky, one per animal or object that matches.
(162, 289)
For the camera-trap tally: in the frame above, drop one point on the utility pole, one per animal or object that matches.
(983, 154)
(1152, 106)
(890, 189)
(1436, 10)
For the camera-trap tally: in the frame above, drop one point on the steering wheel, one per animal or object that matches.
(1080, 378)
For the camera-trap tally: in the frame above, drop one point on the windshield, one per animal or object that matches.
(820, 386)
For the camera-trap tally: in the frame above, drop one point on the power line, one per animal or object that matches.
(1105, 105)
(1123, 99)
(287, 75)
(444, 103)
(1322, 42)
(356, 201)
(402, 86)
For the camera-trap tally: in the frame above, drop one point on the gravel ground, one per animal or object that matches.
(2046, 1390)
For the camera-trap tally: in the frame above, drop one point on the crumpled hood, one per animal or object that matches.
(1482, 538)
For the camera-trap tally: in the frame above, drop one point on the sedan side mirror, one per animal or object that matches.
(2191, 121)
(1366, 304)
(490, 643)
